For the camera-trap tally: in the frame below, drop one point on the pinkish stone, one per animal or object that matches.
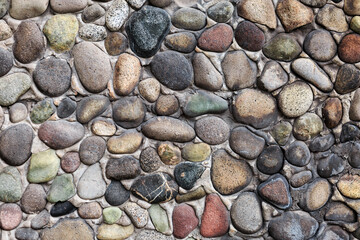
(70, 162)
(184, 220)
(10, 216)
(217, 38)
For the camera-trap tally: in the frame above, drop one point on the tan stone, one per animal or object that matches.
(103, 127)
(90, 210)
(68, 229)
(149, 89)
(5, 30)
(114, 232)
(352, 7)
(349, 186)
(332, 18)
(259, 11)
(127, 142)
(169, 154)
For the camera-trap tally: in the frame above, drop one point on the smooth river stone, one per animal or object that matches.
(90, 210)
(307, 126)
(129, 112)
(92, 32)
(352, 7)
(205, 74)
(116, 15)
(168, 129)
(43, 166)
(62, 189)
(92, 149)
(184, 220)
(60, 134)
(189, 19)
(115, 43)
(187, 173)
(42, 111)
(332, 18)
(34, 199)
(92, 65)
(91, 107)
(10, 184)
(316, 196)
(10, 216)
(66, 107)
(111, 215)
(349, 186)
(116, 194)
(212, 130)
(196, 152)
(204, 103)
(27, 9)
(217, 38)
(169, 154)
(12, 86)
(282, 47)
(272, 77)
(246, 143)
(91, 184)
(347, 79)
(126, 167)
(149, 160)
(249, 36)
(298, 154)
(348, 49)
(92, 13)
(127, 142)
(258, 11)
(182, 42)
(67, 228)
(114, 232)
(68, 6)
(6, 61)
(271, 160)
(221, 12)
(275, 190)
(159, 218)
(166, 105)
(320, 45)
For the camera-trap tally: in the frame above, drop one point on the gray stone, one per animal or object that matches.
(4, 7)
(26, 234)
(322, 143)
(6, 61)
(347, 79)
(26, 9)
(272, 77)
(316, 196)
(246, 143)
(91, 184)
(12, 86)
(320, 45)
(314, 3)
(221, 12)
(40, 220)
(138, 215)
(17, 112)
(126, 167)
(189, 19)
(90, 107)
(298, 154)
(116, 15)
(10, 185)
(205, 74)
(68, 6)
(149, 160)
(92, 149)
(136, 3)
(129, 112)
(332, 18)
(307, 126)
(92, 32)
(212, 130)
(92, 13)
(33, 199)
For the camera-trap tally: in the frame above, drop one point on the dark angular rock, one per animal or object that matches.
(116, 194)
(129, 112)
(298, 154)
(6, 61)
(249, 36)
(62, 208)
(66, 108)
(186, 174)
(347, 79)
(126, 167)
(271, 160)
(354, 155)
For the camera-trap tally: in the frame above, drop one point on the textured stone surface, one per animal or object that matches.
(282, 47)
(12, 87)
(212, 130)
(25, 9)
(217, 38)
(184, 220)
(259, 11)
(68, 228)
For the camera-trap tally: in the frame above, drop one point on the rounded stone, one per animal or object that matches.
(307, 126)
(184, 220)
(217, 38)
(332, 18)
(111, 215)
(314, 3)
(5, 30)
(347, 79)
(129, 112)
(116, 194)
(169, 154)
(272, 77)
(281, 132)
(40, 220)
(10, 216)
(116, 15)
(91, 185)
(68, 228)
(187, 173)
(320, 45)
(166, 105)
(205, 74)
(62, 188)
(202, 103)
(258, 11)
(114, 231)
(42, 111)
(246, 143)
(349, 186)
(295, 99)
(92, 32)
(271, 160)
(10, 188)
(127, 142)
(6, 61)
(149, 89)
(355, 24)
(189, 19)
(68, 6)
(33, 199)
(351, 7)
(138, 215)
(182, 42)
(317, 194)
(103, 127)
(13, 86)
(340, 212)
(330, 165)
(70, 162)
(196, 152)
(115, 43)
(212, 130)
(26, 9)
(348, 49)
(221, 12)
(126, 167)
(43, 166)
(62, 208)
(161, 3)
(332, 112)
(159, 218)
(90, 107)
(300, 179)
(66, 108)
(92, 149)
(282, 47)
(149, 160)
(322, 143)
(249, 36)
(92, 13)
(26, 234)
(90, 210)
(298, 154)
(17, 112)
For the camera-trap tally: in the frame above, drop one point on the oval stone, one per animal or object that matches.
(282, 47)
(347, 79)
(307, 126)
(317, 194)
(6, 61)
(221, 12)
(212, 130)
(246, 143)
(33, 199)
(349, 48)
(189, 19)
(349, 186)
(115, 43)
(298, 154)
(276, 191)
(66, 107)
(332, 112)
(92, 149)
(26, 9)
(182, 42)
(10, 188)
(68, 6)
(217, 38)
(116, 15)
(204, 103)
(271, 160)
(332, 18)
(249, 36)
(90, 107)
(43, 166)
(10, 216)
(13, 86)
(205, 74)
(320, 45)
(129, 112)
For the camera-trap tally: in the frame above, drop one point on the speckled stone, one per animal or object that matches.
(258, 11)
(169, 154)
(26, 234)
(12, 87)
(184, 220)
(129, 112)
(116, 15)
(90, 210)
(249, 36)
(126, 167)
(70, 162)
(149, 160)
(221, 12)
(10, 187)
(92, 149)
(351, 7)
(128, 142)
(33, 199)
(25, 9)
(196, 152)
(349, 186)
(332, 18)
(205, 74)
(5, 30)
(115, 43)
(301, 178)
(90, 107)
(347, 79)
(166, 105)
(212, 130)
(66, 108)
(10, 216)
(138, 215)
(282, 47)
(217, 38)
(189, 19)
(6, 61)
(317, 194)
(149, 89)
(275, 190)
(42, 111)
(92, 32)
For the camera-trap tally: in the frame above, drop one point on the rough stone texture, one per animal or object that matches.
(25, 9)
(33, 199)
(332, 112)
(116, 15)
(10, 216)
(115, 43)
(307, 126)
(212, 130)
(332, 18)
(217, 38)
(276, 191)
(184, 220)
(259, 11)
(129, 112)
(282, 47)
(352, 7)
(249, 36)
(68, 228)
(6, 61)
(348, 50)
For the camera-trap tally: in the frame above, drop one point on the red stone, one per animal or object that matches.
(70, 162)
(349, 48)
(217, 38)
(249, 36)
(184, 220)
(215, 220)
(10, 216)
(332, 112)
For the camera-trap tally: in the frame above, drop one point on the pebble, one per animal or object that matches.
(204, 103)
(301, 178)
(272, 77)
(2, 116)
(161, 3)
(330, 166)
(187, 173)
(111, 215)
(10, 187)
(127, 74)
(149, 89)
(217, 38)
(332, 112)
(114, 232)
(91, 184)
(149, 160)
(196, 194)
(258, 11)
(12, 87)
(282, 47)
(332, 18)
(295, 99)
(275, 190)
(354, 24)
(42, 111)
(347, 79)
(33, 199)
(15, 144)
(146, 30)
(5, 30)
(92, 65)
(229, 175)
(26, 234)
(17, 112)
(249, 36)
(129, 112)
(168, 129)
(351, 7)
(349, 132)
(103, 127)
(139, 216)
(90, 210)
(61, 30)
(40, 220)
(184, 220)
(354, 154)
(189, 19)
(159, 218)
(298, 154)
(66, 108)
(136, 3)
(60, 134)
(205, 74)
(127, 142)
(212, 130)
(126, 167)
(320, 45)
(254, 107)
(294, 225)
(115, 43)
(116, 15)
(6, 61)
(43, 166)
(92, 13)
(61, 209)
(322, 143)
(4, 7)
(307, 126)
(246, 213)
(215, 219)
(169, 154)
(155, 188)
(172, 69)
(353, 111)
(196, 152)
(92, 32)
(246, 143)
(221, 12)
(116, 194)
(271, 160)
(23, 10)
(166, 105)
(68, 228)
(90, 107)
(340, 212)
(10, 216)
(182, 42)
(334, 232)
(348, 48)
(316, 196)
(62, 189)
(52, 76)
(294, 14)
(314, 3)
(349, 186)
(68, 6)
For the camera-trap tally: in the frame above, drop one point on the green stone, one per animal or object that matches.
(62, 189)
(281, 132)
(221, 12)
(355, 24)
(61, 30)
(191, 196)
(307, 126)
(196, 152)
(42, 111)
(203, 103)
(12, 87)
(10, 185)
(159, 218)
(43, 166)
(111, 215)
(282, 47)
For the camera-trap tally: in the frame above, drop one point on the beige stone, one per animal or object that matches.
(259, 11)
(149, 89)
(127, 142)
(332, 18)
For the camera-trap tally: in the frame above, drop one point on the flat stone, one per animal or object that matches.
(168, 129)
(129, 112)
(90, 210)
(255, 108)
(146, 29)
(115, 43)
(10, 216)
(204, 103)
(17, 113)
(215, 220)
(68, 6)
(351, 7)
(349, 186)
(43, 166)
(149, 89)
(322, 143)
(217, 38)
(13, 86)
(354, 24)
(320, 45)
(166, 105)
(116, 194)
(182, 42)
(258, 11)
(66, 108)
(184, 220)
(42, 111)
(229, 175)
(155, 188)
(314, 3)
(62, 209)
(332, 112)
(40, 220)
(93, 33)
(114, 232)
(335, 232)
(62, 189)
(127, 74)
(354, 154)
(111, 215)
(70, 162)
(128, 142)
(92, 13)
(196, 152)
(61, 30)
(272, 77)
(22, 10)
(205, 74)
(91, 184)
(5, 30)
(33, 199)
(295, 99)
(316, 196)
(149, 160)
(189, 19)
(249, 36)
(186, 174)
(271, 160)
(26, 234)
(330, 166)
(307, 126)
(138, 215)
(300, 179)
(246, 143)
(221, 12)
(6, 61)
(159, 218)
(103, 127)
(348, 50)
(196, 194)
(126, 167)
(169, 154)
(15, 144)
(116, 15)
(332, 18)
(212, 130)
(10, 187)
(92, 65)
(246, 213)
(282, 47)
(349, 132)
(60, 134)
(172, 69)
(91, 107)
(340, 212)
(298, 154)
(275, 190)
(68, 228)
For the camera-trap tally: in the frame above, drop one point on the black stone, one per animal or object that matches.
(6, 61)
(330, 166)
(155, 188)
(146, 29)
(149, 160)
(116, 194)
(298, 154)
(354, 156)
(271, 160)
(172, 69)
(26, 234)
(186, 174)
(62, 208)
(126, 167)
(349, 132)
(336, 1)
(347, 79)
(322, 144)
(66, 108)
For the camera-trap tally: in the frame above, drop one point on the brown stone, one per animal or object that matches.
(115, 43)
(258, 11)
(352, 7)
(206, 76)
(127, 142)
(212, 130)
(67, 228)
(182, 42)
(332, 112)
(217, 38)
(340, 212)
(354, 111)
(349, 48)
(90, 210)
(33, 199)
(166, 105)
(276, 191)
(249, 36)
(184, 220)
(70, 162)
(149, 89)
(169, 154)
